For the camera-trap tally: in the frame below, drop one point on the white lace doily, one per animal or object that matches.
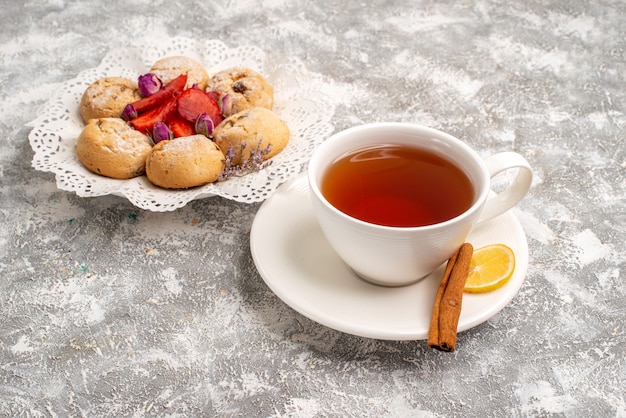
(299, 100)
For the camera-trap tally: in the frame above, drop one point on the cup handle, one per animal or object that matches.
(515, 191)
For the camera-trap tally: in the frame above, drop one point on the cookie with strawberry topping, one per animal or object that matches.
(184, 162)
(110, 147)
(169, 68)
(241, 88)
(246, 133)
(106, 98)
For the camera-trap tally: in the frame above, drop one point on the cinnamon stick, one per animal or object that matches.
(447, 309)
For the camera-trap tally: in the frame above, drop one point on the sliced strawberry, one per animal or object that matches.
(180, 127)
(145, 122)
(194, 102)
(215, 95)
(173, 88)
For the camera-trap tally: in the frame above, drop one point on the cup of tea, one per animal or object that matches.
(396, 200)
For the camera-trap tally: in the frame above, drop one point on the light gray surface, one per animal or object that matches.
(107, 310)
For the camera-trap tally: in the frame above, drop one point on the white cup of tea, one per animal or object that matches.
(396, 200)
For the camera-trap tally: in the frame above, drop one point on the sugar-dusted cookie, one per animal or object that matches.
(169, 68)
(246, 131)
(244, 88)
(184, 162)
(110, 147)
(106, 98)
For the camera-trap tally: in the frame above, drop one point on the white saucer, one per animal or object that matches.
(297, 263)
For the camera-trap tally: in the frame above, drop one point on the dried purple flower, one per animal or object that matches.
(161, 132)
(255, 162)
(149, 84)
(204, 125)
(226, 104)
(129, 112)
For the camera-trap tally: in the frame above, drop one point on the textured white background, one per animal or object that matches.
(109, 310)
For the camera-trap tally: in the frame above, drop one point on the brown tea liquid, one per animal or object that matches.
(397, 186)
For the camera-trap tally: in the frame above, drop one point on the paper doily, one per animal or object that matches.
(299, 100)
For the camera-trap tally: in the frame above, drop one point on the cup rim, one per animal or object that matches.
(315, 162)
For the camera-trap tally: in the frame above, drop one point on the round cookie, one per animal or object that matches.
(107, 97)
(245, 89)
(110, 147)
(249, 130)
(184, 162)
(169, 68)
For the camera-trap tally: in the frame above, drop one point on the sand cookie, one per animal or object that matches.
(110, 147)
(255, 128)
(245, 89)
(169, 68)
(184, 162)
(106, 98)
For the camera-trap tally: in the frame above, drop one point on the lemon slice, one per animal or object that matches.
(491, 267)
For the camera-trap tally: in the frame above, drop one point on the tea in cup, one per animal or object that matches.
(396, 200)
